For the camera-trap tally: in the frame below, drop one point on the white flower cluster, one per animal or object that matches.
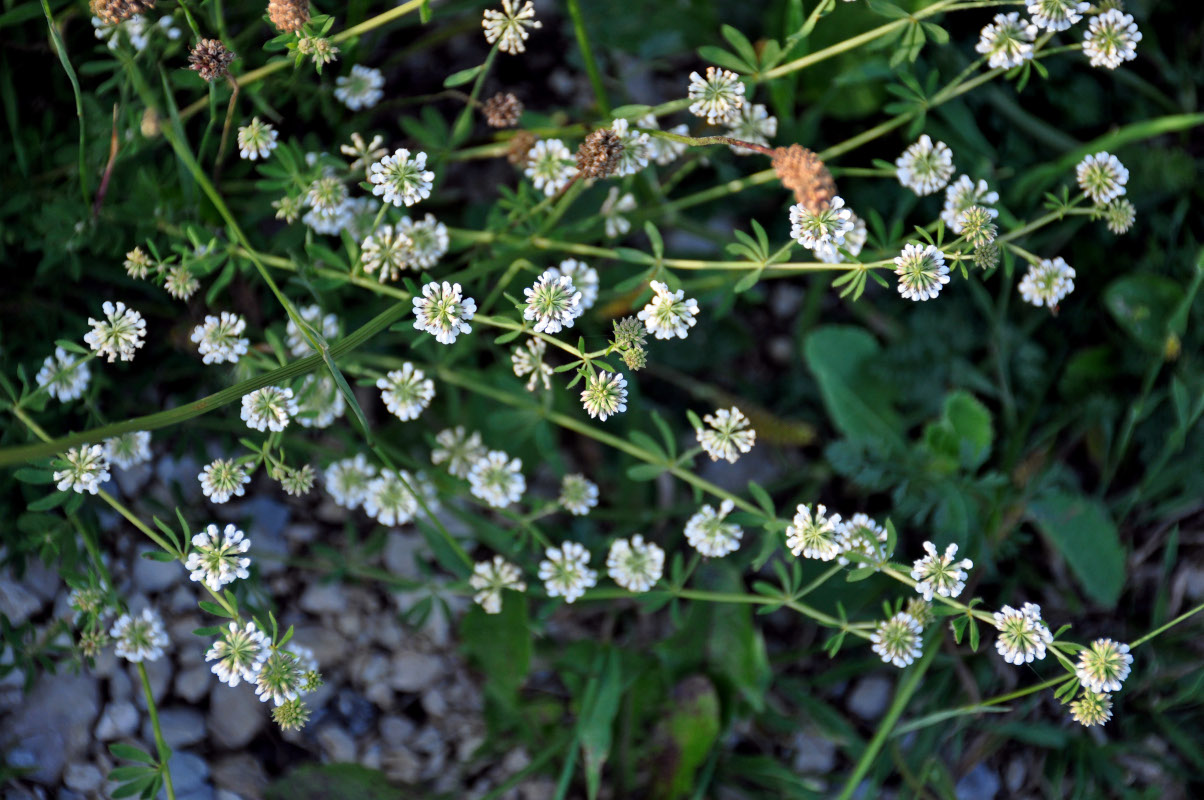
(64, 376)
(553, 303)
(1022, 634)
(269, 408)
(728, 436)
(443, 311)
(718, 97)
(85, 468)
(256, 139)
(219, 339)
(363, 88)
(406, 392)
(566, 573)
(401, 179)
(668, 314)
(119, 334)
(1045, 284)
(218, 556)
(497, 479)
(140, 637)
(925, 167)
(708, 533)
(550, 166)
(508, 27)
(940, 574)
(827, 227)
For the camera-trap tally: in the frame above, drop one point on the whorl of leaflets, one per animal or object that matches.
(1111, 39)
(400, 179)
(269, 408)
(1103, 666)
(707, 532)
(1022, 634)
(1007, 42)
(490, 578)
(444, 311)
(668, 314)
(925, 167)
(553, 303)
(223, 479)
(940, 574)
(728, 436)
(219, 339)
(1057, 15)
(1102, 177)
(347, 479)
(718, 97)
(218, 558)
(128, 449)
(1045, 284)
(898, 640)
(363, 88)
(406, 392)
(64, 376)
(815, 535)
(256, 140)
(922, 272)
(497, 479)
(634, 564)
(85, 468)
(139, 637)
(604, 395)
(119, 334)
(510, 25)
(827, 227)
(566, 572)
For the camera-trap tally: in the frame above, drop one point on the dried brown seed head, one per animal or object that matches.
(520, 146)
(503, 110)
(210, 59)
(289, 16)
(111, 12)
(801, 171)
(598, 155)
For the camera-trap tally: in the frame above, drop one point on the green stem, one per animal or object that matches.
(61, 49)
(1162, 628)
(163, 750)
(587, 55)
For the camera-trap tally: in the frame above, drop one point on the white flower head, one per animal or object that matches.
(180, 282)
(444, 311)
(298, 481)
(1102, 177)
(256, 139)
(269, 408)
(584, 278)
(490, 578)
(552, 302)
(1008, 41)
(1056, 15)
(668, 314)
(898, 640)
(550, 166)
(400, 179)
(223, 479)
(239, 654)
(634, 564)
(497, 479)
(1111, 39)
(218, 556)
(459, 449)
(64, 376)
(219, 338)
(128, 449)
(385, 252)
(1103, 666)
(940, 574)
(363, 153)
(728, 436)
(718, 97)
(753, 124)
(297, 344)
(612, 210)
(85, 468)
(119, 334)
(326, 194)
(527, 359)
(319, 401)
(139, 637)
(279, 678)
(566, 571)
(664, 151)
(347, 481)
(865, 541)
(578, 494)
(854, 240)
(962, 195)
(710, 535)
(406, 392)
(815, 535)
(389, 499)
(829, 226)
(635, 151)
(1045, 284)
(363, 88)
(510, 25)
(1120, 216)
(1091, 709)
(1022, 634)
(428, 241)
(922, 272)
(925, 167)
(604, 395)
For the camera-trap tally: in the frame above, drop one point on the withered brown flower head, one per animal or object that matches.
(520, 146)
(503, 110)
(112, 12)
(289, 16)
(801, 171)
(598, 155)
(210, 59)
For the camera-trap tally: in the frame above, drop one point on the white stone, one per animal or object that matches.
(337, 744)
(82, 777)
(118, 720)
(413, 672)
(324, 598)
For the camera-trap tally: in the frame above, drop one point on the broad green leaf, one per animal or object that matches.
(684, 738)
(500, 644)
(597, 720)
(130, 753)
(1081, 530)
(858, 407)
(1142, 305)
(717, 55)
(462, 77)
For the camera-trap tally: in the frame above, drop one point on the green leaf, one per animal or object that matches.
(1143, 305)
(717, 55)
(348, 395)
(500, 644)
(740, 44)
(213, 608)
(763, 499)
(158, 555)
(736, 647)
(838, 357)
(462, 77)
(123, 774)
(1080, 528)
(32, 475)
(684, 737)
(133, 787)
(508, 336)
(647, 444)
(424, 11)
(597, 720)
(49, 501)
(130, 753)
(644, 472)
